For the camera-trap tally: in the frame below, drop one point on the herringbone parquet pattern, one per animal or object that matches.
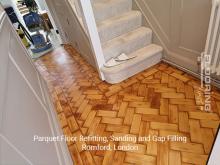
(159, 101)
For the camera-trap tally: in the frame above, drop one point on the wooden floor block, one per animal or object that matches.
(118, 158)
(109, 156)
(171, 95)
(207, 139)
(209, 123)
(87, 158)
(94, 126)
(164, 107)
(149, 72)
(174, 158)
(133, 98)
(141, 104)
(152, 145)
(72, 124)
(118, 128)
(147, 111)
(111, 120)
(182, 102)
(183, 122)
(122, 109)
(203, 115)
(195, 131)
(136, 122)
(89, 119)
(163, 153)
(156, 118)
(129, 116)
(180, 77)
(139, 159)
(187, 147)
(163, 126)
(173, 114)
(106, 113)
(189, 92)
(194, 158)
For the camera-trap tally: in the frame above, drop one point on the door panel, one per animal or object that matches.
(180, 26)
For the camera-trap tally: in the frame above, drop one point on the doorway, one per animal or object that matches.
(47, 36)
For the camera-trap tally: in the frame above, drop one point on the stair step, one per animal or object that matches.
(24, 12)
(110, 8)
(116, 26)
(19, 5)
(127, 43)
(94, 1)
(22, 7)
(146, 57)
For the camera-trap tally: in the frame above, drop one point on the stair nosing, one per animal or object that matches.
(119, 6)
(123, 66)
(119, 44)
(147, 30)
(106, 3)
(103, 23)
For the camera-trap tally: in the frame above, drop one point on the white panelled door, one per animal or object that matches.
(25, 107)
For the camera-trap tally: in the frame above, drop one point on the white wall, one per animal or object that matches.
(215, 154)
(6, 2)
(41, 4)
(25, 107)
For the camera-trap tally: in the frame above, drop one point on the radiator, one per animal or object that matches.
(212, 47)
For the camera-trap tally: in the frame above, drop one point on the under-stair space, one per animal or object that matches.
(121, 31)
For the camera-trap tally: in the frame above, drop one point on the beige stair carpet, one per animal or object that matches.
(121, 31)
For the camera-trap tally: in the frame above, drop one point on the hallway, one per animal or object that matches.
(159, 101)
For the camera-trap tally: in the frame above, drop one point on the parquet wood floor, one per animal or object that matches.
(159, 101)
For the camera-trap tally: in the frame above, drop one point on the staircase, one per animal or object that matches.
(22, 8)
(121, 31)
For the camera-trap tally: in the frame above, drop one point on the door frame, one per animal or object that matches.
(53, 13)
